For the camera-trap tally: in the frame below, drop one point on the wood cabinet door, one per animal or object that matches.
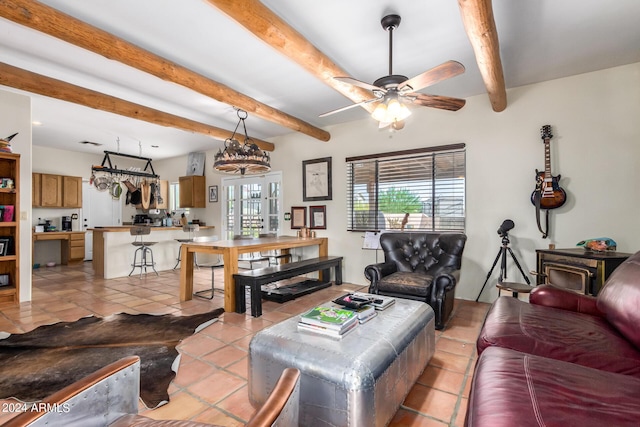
(199, 192)
(36, 189)
(50, 191)
(186, 191)
(192, 191)
(71, 191)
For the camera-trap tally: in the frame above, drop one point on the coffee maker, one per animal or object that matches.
(66, 223)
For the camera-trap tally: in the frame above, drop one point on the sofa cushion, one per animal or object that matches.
(511, 388)
(620, 299)
(558, 334)
(406, 283)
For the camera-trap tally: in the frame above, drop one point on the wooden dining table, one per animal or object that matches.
(230, 250)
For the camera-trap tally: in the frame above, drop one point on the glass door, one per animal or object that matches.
(252, 205)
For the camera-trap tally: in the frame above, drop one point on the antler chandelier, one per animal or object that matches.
(245, 158)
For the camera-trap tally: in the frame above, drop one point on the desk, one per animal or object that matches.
(230, 249)
(71, 244)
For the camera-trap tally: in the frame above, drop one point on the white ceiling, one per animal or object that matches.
(539, 40)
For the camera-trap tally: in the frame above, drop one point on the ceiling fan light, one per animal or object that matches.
(380, 112)
(403, 113)
(393, 108)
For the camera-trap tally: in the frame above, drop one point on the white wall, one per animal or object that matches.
(15, 116)
(596, 147)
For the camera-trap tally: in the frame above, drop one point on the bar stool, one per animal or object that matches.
(189, 228)
(143, 248)
(213, 266)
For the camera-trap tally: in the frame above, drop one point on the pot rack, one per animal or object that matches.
(107, 166)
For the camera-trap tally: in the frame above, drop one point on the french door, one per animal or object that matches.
(252, 205)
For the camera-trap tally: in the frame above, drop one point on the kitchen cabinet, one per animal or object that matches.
(10, 230)
(50, 191)
(71, 192)
(56, 191)
(193, 191)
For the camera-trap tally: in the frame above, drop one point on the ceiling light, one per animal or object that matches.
(245, 158)
(390, 110)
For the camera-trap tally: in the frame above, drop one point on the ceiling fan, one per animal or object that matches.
(392, 89)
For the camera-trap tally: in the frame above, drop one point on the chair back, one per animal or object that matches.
(140, 230)
(419, 251)
(282, 405)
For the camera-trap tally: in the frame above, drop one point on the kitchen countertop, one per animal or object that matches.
(126, 228)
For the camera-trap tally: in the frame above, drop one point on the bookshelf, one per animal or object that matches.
(9, 227)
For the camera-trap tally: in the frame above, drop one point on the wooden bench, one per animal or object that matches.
(261, 276)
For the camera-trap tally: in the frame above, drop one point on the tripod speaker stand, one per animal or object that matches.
(502, 256)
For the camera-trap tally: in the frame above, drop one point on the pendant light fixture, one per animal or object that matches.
(245, 158)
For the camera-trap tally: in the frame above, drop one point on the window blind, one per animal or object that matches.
(420, 189)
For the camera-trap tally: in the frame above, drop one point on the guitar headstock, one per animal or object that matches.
(545, 132)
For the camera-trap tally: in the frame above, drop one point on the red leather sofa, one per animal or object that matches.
(564, 359)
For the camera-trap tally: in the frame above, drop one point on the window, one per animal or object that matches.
(174, 199)
(421, 189)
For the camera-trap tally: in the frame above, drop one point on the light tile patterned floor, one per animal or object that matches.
(211, 385)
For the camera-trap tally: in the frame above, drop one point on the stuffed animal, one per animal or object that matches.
(599, 244)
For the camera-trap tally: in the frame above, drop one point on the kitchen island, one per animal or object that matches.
(113, 251)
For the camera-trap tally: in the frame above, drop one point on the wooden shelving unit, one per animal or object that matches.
(10, 230)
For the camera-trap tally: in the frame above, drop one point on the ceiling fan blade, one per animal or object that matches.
(328, 113)
(436, 74)
(436, 101)
(361, 84)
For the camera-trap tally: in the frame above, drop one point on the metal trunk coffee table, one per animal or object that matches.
(360, 380)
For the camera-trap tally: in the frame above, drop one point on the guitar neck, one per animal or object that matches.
(547, 160)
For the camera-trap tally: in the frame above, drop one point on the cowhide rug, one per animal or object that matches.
(40, 362)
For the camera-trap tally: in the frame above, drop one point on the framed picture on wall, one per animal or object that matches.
(195, 164)
(298, 217)
(318, 217)
(316, 179)
(213, 193)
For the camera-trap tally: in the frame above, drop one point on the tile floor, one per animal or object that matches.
(211, 385)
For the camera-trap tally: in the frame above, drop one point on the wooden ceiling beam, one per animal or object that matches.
(477, 17)
(271, 29)
(36, 83)
(50, 21)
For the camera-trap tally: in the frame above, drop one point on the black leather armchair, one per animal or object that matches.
(420, 266)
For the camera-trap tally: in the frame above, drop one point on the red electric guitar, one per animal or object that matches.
(548, 191)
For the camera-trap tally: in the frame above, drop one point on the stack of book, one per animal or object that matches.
(365, 313)
(328, 320)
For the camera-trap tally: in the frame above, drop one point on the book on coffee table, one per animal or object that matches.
(330, 317)
(365, 313)
(322, 330)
